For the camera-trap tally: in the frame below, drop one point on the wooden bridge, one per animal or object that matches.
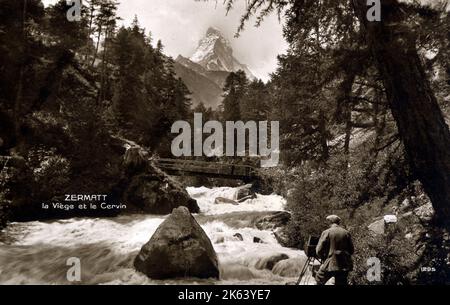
(207, 169)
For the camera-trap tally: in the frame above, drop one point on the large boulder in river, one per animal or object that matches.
(179, 248)
(135, 157)
(146, 189)
(154, 193)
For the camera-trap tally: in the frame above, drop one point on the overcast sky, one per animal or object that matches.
(180, 24)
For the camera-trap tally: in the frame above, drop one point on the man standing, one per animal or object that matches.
(335, 247)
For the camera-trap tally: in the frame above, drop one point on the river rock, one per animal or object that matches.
(257, 240)
(269, 262)
(153, 192)
(289, 267)
(238, 236)
(273, 221)
(249, 197)
(221, 200)
(244, 191)
(282, 237)
(147, 189)
(178, 248)
(377, 227)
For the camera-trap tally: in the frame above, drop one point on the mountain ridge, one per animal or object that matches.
(206, 70)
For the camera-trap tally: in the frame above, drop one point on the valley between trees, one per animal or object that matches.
(363, 110)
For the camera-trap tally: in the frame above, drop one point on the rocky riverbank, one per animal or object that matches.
(108, 247)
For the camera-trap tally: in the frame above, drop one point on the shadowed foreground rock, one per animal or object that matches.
(146, 189)
(154, 193)
(179, 248)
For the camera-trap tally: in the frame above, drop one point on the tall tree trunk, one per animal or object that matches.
(88, 42)
(97, 46)
(380, 126)
(101, 95)
(420, 122)
(323, 134)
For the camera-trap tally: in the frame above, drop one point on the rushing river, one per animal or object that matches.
(37, 252)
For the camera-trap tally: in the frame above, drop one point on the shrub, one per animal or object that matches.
(51, 174)
(396, 253)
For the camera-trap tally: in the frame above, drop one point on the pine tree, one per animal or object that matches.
(104, 21)
(68, 35)
(19, 51)
(148, 96)
(235, 90)
(254, 106)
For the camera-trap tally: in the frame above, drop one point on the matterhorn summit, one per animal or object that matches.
(214, 53)
(205, 72)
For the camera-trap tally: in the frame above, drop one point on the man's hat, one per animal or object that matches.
(334, 219)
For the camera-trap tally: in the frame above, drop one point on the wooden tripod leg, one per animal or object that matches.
(304, 269)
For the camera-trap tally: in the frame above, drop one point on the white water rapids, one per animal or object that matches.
(37, 252)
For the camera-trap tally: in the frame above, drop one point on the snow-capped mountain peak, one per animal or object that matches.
(207, 47)
(206, 71)
(214, 53)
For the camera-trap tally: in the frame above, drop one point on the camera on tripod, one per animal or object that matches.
(310, 246)
(310, 251)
